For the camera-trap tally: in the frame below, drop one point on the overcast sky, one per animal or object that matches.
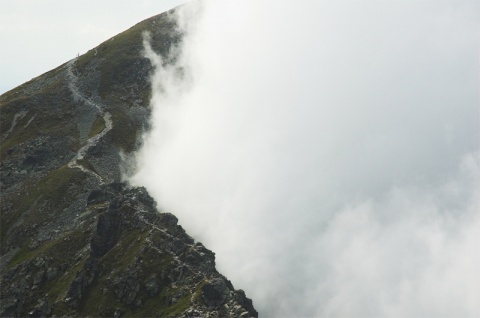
(39, 35)
(327, 152)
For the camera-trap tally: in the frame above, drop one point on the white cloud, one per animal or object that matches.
(311, 154)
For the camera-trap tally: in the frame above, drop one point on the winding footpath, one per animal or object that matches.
(181, 264)
(107, 117)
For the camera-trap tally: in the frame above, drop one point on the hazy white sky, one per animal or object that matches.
(39, 35)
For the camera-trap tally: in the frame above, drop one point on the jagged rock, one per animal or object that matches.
(33, 245)
(23, 283)
(105, 194)
(126, 290)
(118, 313)
(244, 302)
(177, 247)
(42, 309)
(97, 196)
(8, 307)
(39, 262)
(81, 281)
(192, 313)
(52, 273)
(39, 277)
(168, 219)
(151, 286)
(108, 232)
(215, 292)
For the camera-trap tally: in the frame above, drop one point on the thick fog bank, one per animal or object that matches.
(327, 152)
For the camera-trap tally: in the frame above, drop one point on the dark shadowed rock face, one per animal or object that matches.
(75, 240)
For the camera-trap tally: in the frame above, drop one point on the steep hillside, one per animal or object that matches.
(75, 240)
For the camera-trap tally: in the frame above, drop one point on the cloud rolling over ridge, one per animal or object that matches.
(327, 152)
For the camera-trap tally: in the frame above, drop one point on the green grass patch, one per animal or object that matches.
(58, 249)
(52, 189)
(121, 257)
(98, 126)
(60, 124)
(123, 133)
(176, 309)
(58, 288)
(198, 295)
(25, 254)
(158, 306)
(61, 309)
(98, 303)
(21, 256)
(125, 250)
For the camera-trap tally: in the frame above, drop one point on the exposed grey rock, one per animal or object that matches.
(151, 286)
(24, 283)
(243, 301)
(8, 307)
(108, 232)
(39, 277)
(80, 283)
(33, 244)
(127, 289)
(215, 292)
(39, 262)
(118, 313)
(52, 273)
(42, 309)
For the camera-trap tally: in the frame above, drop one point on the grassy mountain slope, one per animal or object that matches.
(76, 241)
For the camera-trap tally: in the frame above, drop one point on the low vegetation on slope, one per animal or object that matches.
(76, 241)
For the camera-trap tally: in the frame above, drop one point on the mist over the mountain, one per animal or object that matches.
(327, 152)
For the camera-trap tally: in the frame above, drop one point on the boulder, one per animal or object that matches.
(215, 292)
(152, 286)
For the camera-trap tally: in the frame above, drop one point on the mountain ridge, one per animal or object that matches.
(75, 239)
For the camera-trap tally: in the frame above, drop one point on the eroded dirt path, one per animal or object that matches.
(107, 117)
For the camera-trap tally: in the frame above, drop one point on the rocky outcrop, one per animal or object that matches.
(138, 261)
(75, 240)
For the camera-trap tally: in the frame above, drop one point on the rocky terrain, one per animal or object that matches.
(75, 239)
